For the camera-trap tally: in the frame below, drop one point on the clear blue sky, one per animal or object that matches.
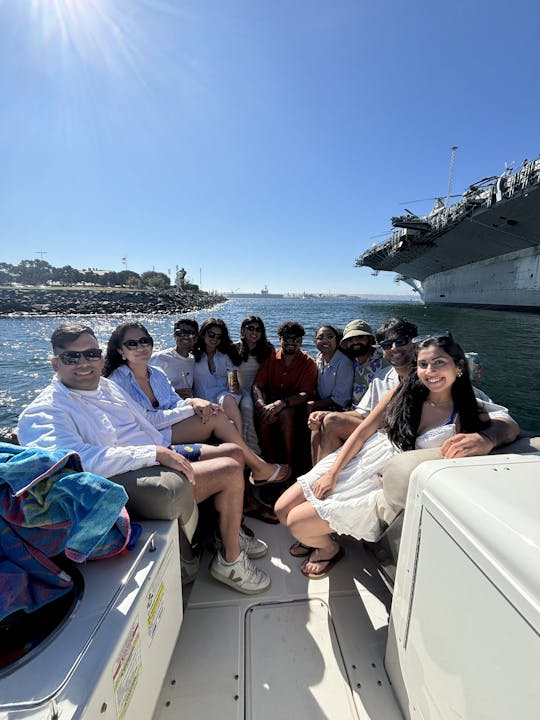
(251, 141)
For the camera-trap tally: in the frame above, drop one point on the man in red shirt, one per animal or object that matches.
(285, 382)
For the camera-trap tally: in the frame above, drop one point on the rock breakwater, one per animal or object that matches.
(44, 301)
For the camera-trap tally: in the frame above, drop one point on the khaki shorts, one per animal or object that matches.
(398, 469)
(159, 493)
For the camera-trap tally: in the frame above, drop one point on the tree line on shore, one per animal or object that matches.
(40, 272)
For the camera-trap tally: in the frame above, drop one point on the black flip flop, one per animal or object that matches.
(330, 562)
(303, 550)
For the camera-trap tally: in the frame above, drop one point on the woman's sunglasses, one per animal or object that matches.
(213, 336)
(434, 336)
(144, 341)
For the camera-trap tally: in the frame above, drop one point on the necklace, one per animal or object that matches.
(434, 404)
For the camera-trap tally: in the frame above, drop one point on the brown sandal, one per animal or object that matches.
(298, 549)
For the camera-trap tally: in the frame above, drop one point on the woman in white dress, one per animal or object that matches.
(254, 347)
(339, 494)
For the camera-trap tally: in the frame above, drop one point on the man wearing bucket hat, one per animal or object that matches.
(358, 343)
(392, 357)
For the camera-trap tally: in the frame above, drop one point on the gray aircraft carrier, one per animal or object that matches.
(483, 250)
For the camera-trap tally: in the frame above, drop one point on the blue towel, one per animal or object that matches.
(48, 505)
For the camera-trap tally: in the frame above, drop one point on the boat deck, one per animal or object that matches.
(304, 649)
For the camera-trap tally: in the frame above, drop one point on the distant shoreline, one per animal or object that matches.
(93, 301)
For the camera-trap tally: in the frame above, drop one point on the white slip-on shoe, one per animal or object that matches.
(241, 575)
(252, 546)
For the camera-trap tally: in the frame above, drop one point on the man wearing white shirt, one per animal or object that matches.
(329, 430)
(81, 410)
(177, 362)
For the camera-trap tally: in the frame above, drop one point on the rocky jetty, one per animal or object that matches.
(57, 301)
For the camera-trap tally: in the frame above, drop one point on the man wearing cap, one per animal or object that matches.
(358, 343)
(329, 430)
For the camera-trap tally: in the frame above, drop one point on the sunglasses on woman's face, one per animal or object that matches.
(212, 335)
(143, 341)
(253, 328)
(436, 336)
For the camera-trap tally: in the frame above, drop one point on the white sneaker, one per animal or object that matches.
(241, 575)
(252, 546)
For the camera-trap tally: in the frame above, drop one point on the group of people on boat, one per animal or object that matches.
(268, 433)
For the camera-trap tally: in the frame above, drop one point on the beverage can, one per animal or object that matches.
(232, 378)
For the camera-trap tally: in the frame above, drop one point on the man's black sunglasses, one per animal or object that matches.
(398, 342)
(73, 357)
(180, 332)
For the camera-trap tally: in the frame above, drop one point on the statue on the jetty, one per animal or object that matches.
(179, 281)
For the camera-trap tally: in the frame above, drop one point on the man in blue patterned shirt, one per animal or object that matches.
(329, 430)
(358, 343)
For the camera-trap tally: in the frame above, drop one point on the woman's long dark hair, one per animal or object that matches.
(262, 349)
(225, 346)
(402, 417)
(113, 359)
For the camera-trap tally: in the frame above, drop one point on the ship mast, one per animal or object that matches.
(451, 173)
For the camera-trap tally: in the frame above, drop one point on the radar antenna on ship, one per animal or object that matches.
(451, 173)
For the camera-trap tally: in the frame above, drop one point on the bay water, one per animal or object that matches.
(507, 342)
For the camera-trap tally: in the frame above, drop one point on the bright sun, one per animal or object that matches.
(93, 29)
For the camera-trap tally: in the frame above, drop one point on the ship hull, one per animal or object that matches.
(511, 281)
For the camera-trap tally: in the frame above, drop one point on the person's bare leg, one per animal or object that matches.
(223, 429)
(265, 431)
(210, 452)
(194, 430)
(335, 429)
(286, 423)
(315, 445)
(232, 411)
(223, 479)
(311, 530)
(292, 497)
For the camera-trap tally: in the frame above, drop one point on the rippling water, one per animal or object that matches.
(507, 342)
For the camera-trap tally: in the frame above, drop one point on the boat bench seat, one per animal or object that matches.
(400, 467)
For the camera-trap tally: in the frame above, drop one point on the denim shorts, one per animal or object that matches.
(191, 452)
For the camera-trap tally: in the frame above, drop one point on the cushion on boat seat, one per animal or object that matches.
(398, 469)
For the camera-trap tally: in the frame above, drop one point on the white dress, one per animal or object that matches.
(350, 508)
(247, 370)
